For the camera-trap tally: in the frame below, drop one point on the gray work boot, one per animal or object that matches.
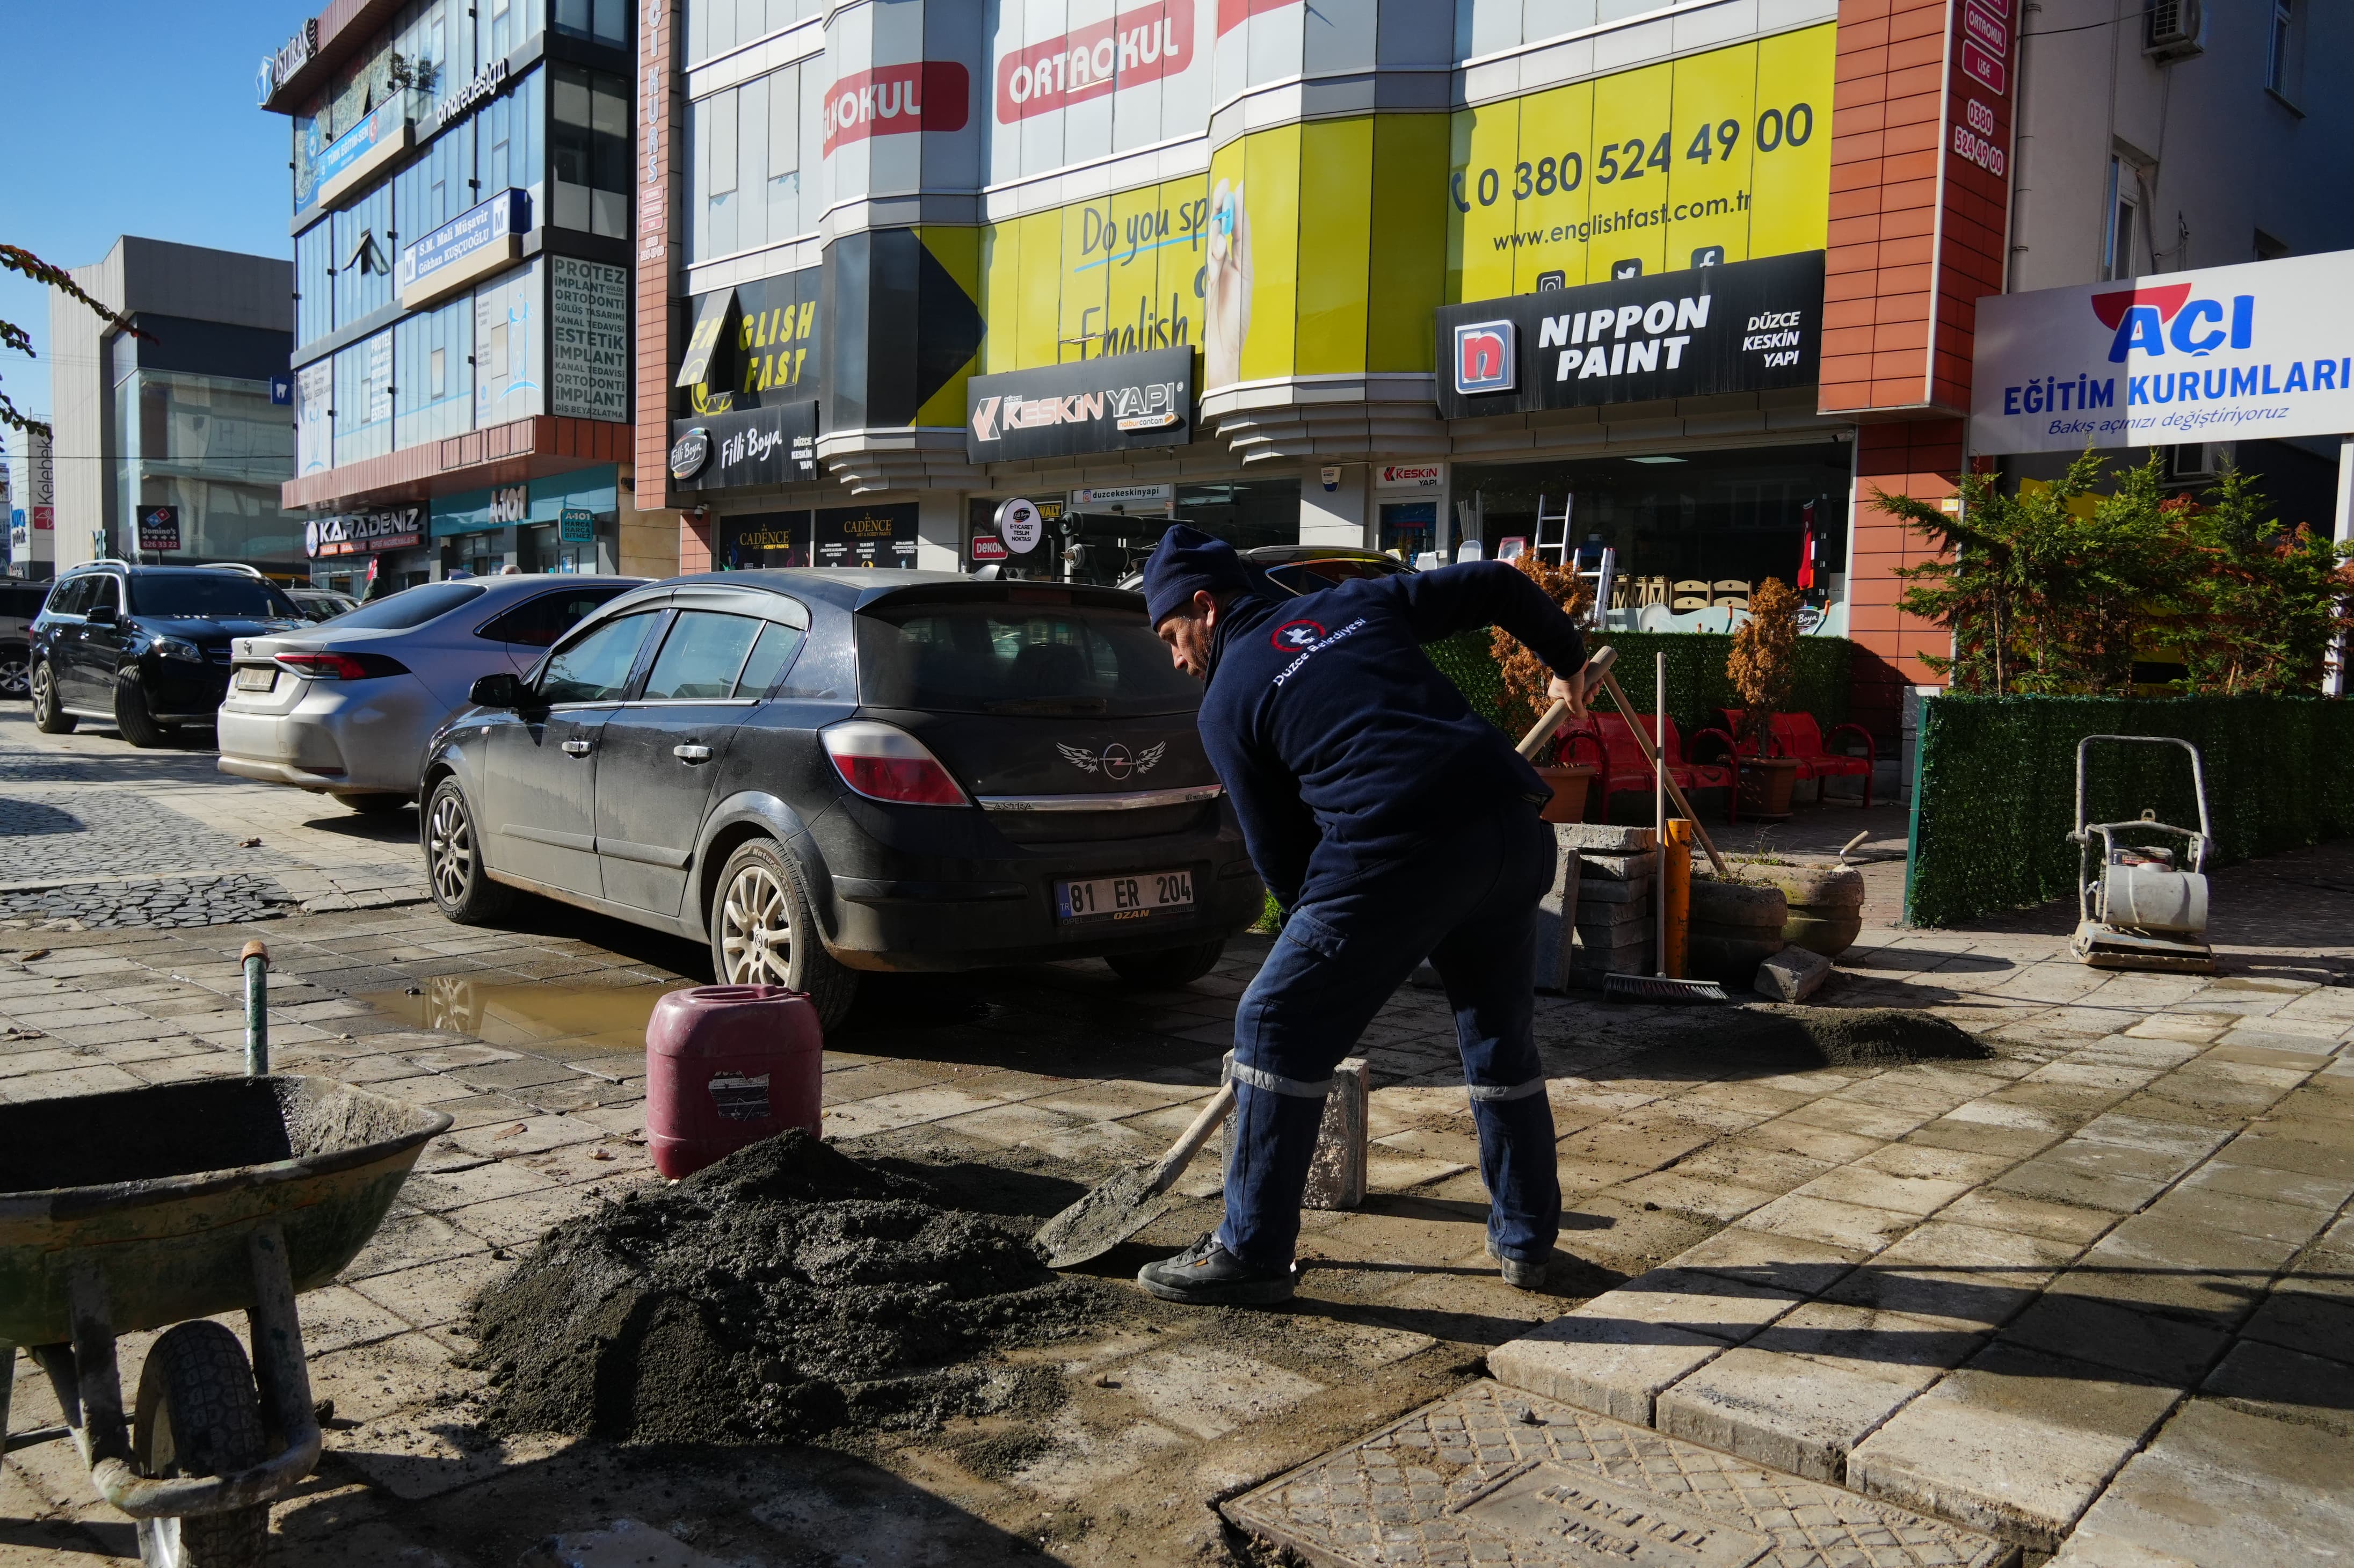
(1522, 1275)
(1207, 1275)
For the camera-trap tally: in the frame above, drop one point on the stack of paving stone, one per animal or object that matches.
(1615, 926)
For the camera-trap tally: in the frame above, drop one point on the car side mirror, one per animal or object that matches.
(498, 691)
(99, 615)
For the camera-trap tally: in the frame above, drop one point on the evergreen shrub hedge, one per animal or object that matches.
(1697, 685)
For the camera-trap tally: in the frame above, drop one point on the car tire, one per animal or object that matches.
(15, 672)
(48, 715)
(1165, 968)
(132, 716)
(455, 873)
(762, 932)
(377, 805)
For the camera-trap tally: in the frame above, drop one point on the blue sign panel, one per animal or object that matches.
(476, 230)
(361, 140)
(281, 391)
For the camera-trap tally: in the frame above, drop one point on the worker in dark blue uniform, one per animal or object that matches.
(1391, 823)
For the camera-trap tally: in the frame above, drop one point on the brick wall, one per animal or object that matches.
(1920, 197)
(660, 165)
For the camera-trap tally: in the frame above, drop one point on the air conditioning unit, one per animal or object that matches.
(2173, 29)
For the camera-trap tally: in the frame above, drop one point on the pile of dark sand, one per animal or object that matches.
(784, 1292)
(1842, 1036)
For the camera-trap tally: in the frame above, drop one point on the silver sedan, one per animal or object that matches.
(345, 709)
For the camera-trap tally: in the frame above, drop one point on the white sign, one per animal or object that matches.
(1123, 495)
(588, 340)
(1410, 476)
(1019, 525)
(315, 396)
(2260, 351)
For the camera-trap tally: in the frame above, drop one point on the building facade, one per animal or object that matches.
(1681, 282)
(33, 506)
(171, 442)
(461, 212)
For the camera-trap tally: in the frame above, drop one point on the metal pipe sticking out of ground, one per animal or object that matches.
(256, 959)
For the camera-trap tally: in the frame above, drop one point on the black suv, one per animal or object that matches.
(145, 649)
(19, 602)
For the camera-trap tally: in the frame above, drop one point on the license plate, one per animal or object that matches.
(1111, 898)
(255, 678)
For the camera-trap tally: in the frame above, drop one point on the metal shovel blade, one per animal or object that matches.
(1103, 1219)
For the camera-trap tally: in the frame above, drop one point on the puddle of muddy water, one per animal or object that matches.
(596, 1021)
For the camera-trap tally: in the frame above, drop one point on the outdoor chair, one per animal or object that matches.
(1624, 771)
(1800, 736)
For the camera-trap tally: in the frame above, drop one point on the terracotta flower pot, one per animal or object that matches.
(1766, 784)
(1569, 785)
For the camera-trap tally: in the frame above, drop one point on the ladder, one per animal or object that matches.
(1604, 579)
(1557, 543)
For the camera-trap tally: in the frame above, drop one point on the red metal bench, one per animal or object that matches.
(1624, 771)
(1799, 736)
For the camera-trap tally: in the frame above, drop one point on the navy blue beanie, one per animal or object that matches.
(1188, 561)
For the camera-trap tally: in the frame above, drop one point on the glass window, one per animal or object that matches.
(596, 669)
(437, 186)
(2276, 43)
(361, 254)
(363, 400)
(981, 655)
(433, 374)
(208, 595)
(2118, 259)
(770, 655)
(314, 282)
(538, 622)
(71, 595)
(589, 149)
(507, 137)
(411, 607)
(701, 657)
(607, 21)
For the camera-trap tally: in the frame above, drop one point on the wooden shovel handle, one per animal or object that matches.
(1651, 756)
(1596, 669)
(1189, 1143)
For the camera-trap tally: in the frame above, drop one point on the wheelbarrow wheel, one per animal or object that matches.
(200, 1415)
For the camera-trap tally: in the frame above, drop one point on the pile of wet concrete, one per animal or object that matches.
(786, 1292)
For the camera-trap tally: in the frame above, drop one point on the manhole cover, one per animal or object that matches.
(1494, 1476)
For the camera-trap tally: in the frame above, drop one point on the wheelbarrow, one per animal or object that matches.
(153, 1207)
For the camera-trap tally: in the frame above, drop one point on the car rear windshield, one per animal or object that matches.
(984, 656)
(208, 594)
(409, 607)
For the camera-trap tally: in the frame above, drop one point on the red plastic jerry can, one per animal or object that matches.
(728, 1065)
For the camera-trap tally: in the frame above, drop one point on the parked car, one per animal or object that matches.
(145, 649)
(1298, 569)
(345, 709)
(322, 604)
(826, 772)
(19, 603)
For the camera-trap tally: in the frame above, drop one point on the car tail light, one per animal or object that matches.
(884, 763)
(334, 666)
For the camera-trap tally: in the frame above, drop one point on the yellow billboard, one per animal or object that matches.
(1724, 155)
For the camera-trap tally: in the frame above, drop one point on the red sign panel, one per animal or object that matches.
(988, 547)
(1233, 14)
(1985, 70)
(890, 101)
(1989, 30)
(1141, 44)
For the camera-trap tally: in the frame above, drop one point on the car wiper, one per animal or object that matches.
(1048, 707)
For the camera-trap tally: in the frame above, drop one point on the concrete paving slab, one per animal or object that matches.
(2016, 1443)
(2315, 1316)
(2144, 1341)
(1878, 1188)
(1208, 1391)
(1852, 1225)
(1615, 1366)
(1765, 1257)
(1492, 1475)
(1704, 1302)
(1998, 1211)
(1760, 1406)
(2221, 1486)
(2287, 1223)
(2286, 1385)
(2224, 1174)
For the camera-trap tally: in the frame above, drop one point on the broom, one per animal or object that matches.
(1661, 987)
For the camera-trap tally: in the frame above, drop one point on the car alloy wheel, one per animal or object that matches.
(755, 929)
(16, 674)
(450, 848)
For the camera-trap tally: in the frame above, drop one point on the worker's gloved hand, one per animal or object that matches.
(1573, 692)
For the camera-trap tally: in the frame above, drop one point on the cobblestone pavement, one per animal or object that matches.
(2091, 1293)
(96, 832)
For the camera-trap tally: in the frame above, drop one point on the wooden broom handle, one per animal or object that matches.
(1595, 668)
(1651, 756)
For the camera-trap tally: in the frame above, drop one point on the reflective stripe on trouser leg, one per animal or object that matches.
(1277, 1084)
(1493, 1092)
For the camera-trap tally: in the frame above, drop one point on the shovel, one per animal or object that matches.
(1131, 1201)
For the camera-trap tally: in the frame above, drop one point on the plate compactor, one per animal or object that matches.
(2142, 906)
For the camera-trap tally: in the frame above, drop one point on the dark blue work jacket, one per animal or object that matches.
(1339, 743)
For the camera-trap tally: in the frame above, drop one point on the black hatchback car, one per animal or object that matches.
(824, 772)
(145, 649)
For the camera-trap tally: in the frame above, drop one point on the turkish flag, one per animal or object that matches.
(1807, 548)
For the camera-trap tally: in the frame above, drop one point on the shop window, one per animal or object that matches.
(589, 151)
(1245, 514)
(1409, 527)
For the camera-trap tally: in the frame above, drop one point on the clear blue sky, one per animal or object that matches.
(134, 117)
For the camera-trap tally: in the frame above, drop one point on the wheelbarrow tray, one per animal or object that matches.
(158, 1190)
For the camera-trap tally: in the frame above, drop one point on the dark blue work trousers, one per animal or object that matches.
(1467, 896)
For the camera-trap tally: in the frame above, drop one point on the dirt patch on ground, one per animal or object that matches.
(785, 1292)
(1846, 1036)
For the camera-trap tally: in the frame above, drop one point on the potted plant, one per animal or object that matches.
(1525, 677)
(1763, 668)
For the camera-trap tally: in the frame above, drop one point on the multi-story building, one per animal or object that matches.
(170, 440)
(33, 516)
(1685, 279)
(461, 214)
